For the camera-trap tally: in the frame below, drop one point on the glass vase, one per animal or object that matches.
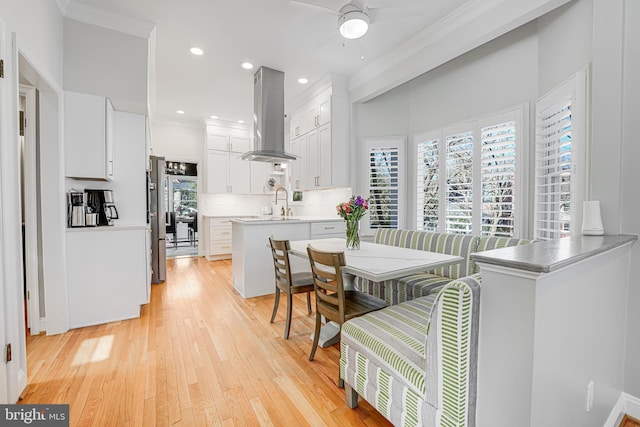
(353, 234)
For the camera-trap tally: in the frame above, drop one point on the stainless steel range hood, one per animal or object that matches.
(268, 118)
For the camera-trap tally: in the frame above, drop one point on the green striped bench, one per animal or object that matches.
(416, 285)
(415, 362)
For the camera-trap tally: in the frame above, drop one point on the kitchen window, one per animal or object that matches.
(468, 177)
(560, 159)
(385, 186)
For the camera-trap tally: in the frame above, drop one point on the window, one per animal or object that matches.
(384, 182)
(459, 183)
(480, 159)
(428, 173)
(498, 171)
(559, 155)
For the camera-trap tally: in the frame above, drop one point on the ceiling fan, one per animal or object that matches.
(355, 16)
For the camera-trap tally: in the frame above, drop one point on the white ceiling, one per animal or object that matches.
(301, 41)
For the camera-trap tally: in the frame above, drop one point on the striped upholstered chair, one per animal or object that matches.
(416, 362)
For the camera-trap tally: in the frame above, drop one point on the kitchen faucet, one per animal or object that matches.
(286, 210)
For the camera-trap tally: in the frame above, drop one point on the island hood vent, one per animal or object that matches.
(268, 118)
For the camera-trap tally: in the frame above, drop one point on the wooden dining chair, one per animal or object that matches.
(332, 301)
(287, 282)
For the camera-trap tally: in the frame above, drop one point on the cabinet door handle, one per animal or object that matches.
(329, 228)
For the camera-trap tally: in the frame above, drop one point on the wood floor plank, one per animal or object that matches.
(199, 355)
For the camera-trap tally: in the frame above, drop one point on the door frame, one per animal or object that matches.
(14, 377)
(31, 211)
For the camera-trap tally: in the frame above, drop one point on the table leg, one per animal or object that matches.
(330, 332)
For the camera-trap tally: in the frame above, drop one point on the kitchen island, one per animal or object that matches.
(251, 255)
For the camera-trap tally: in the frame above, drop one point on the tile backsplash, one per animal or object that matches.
(320, 203)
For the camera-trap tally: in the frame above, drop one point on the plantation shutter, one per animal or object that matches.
(428, 185)
(498, 176)
(385, 183)
(459, 183)
(553, 170)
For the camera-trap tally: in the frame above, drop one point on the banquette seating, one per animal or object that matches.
(415, 361)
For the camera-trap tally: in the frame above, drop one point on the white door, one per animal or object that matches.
(12, 328)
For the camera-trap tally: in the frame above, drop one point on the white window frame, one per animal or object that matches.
(575, 90)
(519, 115)
(396, 142)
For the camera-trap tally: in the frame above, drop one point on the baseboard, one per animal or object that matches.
(626, 404)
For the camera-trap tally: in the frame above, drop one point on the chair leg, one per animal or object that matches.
(275, 305)
(309, 302)
(287, 325)
(316, 336)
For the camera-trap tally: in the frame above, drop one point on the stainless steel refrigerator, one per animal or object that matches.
(157, 219)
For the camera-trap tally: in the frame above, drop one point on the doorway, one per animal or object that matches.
(181, 201)
(30, 207)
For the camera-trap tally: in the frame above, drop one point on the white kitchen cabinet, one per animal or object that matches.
(320, 137)
(219, 238)
(328, 230)
(227, 172)
(297, 167)
(106, 274)
(311, 116)
(236, 141)
(313, 169)
(260, 177)
(89, 136)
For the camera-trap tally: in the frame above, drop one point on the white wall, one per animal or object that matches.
(630, 199)
(38, 24)
(491, 78)
(182, 142)
(105, 62)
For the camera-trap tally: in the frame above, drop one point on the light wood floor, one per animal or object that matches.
(200, 355)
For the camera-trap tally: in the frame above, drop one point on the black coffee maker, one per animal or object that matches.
(102, 203)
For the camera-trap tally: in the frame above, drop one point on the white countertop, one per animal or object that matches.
(269, 219)
(108, 228)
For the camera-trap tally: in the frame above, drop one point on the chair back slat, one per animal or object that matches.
(282, 267)
(326, 268)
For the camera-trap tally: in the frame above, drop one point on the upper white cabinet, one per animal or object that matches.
(311, 116)
(226, 172)
(89, 136)
(320, 138)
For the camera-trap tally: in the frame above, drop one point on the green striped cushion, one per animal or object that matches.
(445, 243)
(395, 336)
(392, 357)
(404, 289)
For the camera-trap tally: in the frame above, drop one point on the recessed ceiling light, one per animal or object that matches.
(196, 51)
(247, 65)
(303, 81)
(240, 121)
(214, 117)
(179, 111)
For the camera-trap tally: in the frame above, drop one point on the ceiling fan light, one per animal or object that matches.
(353, 24)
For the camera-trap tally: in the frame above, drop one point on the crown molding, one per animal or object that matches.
(92, 15)
(475, 23)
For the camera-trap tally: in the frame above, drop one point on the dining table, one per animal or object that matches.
(374, 261)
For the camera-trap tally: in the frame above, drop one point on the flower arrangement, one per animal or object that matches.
(352, 211)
